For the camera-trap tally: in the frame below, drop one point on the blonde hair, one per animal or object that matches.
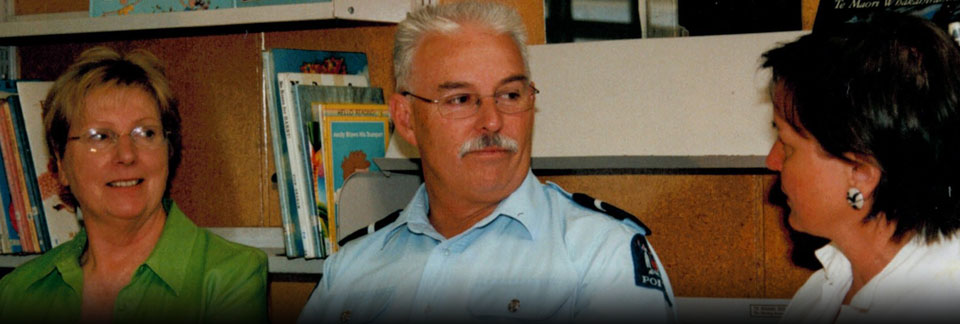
(100, 67)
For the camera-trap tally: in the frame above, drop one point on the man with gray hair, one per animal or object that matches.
(483, 239)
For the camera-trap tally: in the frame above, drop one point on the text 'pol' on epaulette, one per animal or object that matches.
(376, 226)
(603, 207)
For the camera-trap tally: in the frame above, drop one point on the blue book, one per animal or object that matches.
(352, 135)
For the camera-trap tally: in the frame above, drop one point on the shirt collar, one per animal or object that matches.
(165, 260)
(519, 205)
(835, 264)
(179, 234)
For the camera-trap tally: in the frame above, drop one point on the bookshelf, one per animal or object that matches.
(224, 181)
(73, 23)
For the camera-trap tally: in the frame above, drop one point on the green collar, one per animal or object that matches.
(179, 234)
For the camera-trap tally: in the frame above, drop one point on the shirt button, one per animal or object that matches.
(446, 252)
(345, 316)
(513, 306)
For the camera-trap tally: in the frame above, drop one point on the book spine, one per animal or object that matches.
(302, 123)
(292, 241)
(36, 213)
(15, 180)
(308, 228)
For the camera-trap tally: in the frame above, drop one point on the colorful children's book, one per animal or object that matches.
(10, 242)
(11, 239)
(21, 204)
(59, 218)
(308, 96)
(37, 219)
(277, 61)
(100, 8)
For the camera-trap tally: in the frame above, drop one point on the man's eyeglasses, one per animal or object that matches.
(102, 139)
(465, 104)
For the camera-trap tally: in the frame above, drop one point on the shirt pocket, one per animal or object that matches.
(364, 306)
(521, 300)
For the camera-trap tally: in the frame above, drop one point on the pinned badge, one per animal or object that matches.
(513, 306)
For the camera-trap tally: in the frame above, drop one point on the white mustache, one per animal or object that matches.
(489, 140)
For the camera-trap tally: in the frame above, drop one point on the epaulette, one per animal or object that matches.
(376, 226)
(600, 206)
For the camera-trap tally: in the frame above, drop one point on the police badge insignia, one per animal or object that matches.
(646, 271)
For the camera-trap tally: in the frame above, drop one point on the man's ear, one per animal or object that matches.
(865, 174)
(402, 114)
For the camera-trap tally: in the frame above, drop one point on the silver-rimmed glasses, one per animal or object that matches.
(104, 139)
(508, 100)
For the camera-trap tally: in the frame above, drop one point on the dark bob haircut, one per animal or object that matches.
(886, 89)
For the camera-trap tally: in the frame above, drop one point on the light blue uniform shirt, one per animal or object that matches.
(538, 256)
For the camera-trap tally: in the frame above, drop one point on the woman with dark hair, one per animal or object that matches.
(868, 149)
(113, 127)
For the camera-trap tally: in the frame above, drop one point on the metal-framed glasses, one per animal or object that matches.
(508, 100)
(104, 139)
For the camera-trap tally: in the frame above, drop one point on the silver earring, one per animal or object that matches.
(855, 198)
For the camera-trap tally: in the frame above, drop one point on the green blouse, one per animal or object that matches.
(192, 275)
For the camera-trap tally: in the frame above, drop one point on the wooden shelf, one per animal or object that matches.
(81, 23)
(268, 239)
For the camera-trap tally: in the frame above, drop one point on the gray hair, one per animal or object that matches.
(448, 18)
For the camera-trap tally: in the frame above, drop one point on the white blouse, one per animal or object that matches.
(921, 285)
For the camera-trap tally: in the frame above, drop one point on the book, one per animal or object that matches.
(308, 97)
(35, 212)
(832, 12)
(10, 240)
(18, 193)
(253, 3)
(310, 209)
(293, 244)
(351, 136)
(283, 60)
(306, 213)
(59, 218)
(99, 8)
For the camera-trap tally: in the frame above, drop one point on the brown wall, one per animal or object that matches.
(715, 234)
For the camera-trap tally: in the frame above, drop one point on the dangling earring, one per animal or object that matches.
(855, 198)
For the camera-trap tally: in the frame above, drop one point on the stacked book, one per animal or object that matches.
(34, 218)
(326, 123)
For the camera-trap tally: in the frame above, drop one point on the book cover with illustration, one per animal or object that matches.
(59, 217)
(103, 8)
(352, 136)
(831, 12)
(309, 97)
